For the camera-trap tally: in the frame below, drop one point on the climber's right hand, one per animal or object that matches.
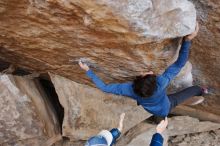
(83, 66)
(194, 34)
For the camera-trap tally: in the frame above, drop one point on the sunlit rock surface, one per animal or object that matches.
(205, 52)
(26, 118)
(205, 138)
(181, 125)
(142, 133)
(120, 39)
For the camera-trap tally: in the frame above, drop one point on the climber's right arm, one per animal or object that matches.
(176, 67)
(119, 89)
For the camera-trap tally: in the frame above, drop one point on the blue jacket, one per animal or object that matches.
(157, 140)
(158, 104)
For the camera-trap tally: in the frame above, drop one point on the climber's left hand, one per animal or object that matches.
(194, 34)
(122, 116)
(83, 66)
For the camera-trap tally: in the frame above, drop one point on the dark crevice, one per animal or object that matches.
(156, 120)
(21, 72)
(8, 68)
(50, 91)
(4, 65)
(45, 84)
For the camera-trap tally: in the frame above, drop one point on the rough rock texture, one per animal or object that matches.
(120, 39)
(115, 37)
(87, 110)
(145, 138)
(181, 125)
(205, 52)
(142, 133)
(196, 113)
(25, 117)
(67, 142)
(210, 138)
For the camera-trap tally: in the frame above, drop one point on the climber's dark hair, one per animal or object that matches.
(145, 86)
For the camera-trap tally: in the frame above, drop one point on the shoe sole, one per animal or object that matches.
(198, 102)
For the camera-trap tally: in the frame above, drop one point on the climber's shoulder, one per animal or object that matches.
(161, 81)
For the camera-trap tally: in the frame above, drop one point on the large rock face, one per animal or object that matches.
(25, 116)
(205, 52)
(119, 39)
(115, 37)
(142, 133)
(87, 110)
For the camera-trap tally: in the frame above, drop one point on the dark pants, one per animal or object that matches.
(180, 97)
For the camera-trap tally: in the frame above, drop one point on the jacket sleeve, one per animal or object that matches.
(157, 140)
(115, 134)
(176, 67)
(118, 89)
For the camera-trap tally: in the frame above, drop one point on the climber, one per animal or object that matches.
(149, 90)
(105, 137)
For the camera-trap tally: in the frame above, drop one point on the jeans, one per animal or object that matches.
(180, 97)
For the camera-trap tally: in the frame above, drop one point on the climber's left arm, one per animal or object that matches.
(176, 67)
(119, 89)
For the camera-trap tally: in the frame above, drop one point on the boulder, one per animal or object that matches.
(142, 133)
(209, 138)
(26, 118)
(205, 52)
(120, 39)
(181, 125)
(88, 110)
